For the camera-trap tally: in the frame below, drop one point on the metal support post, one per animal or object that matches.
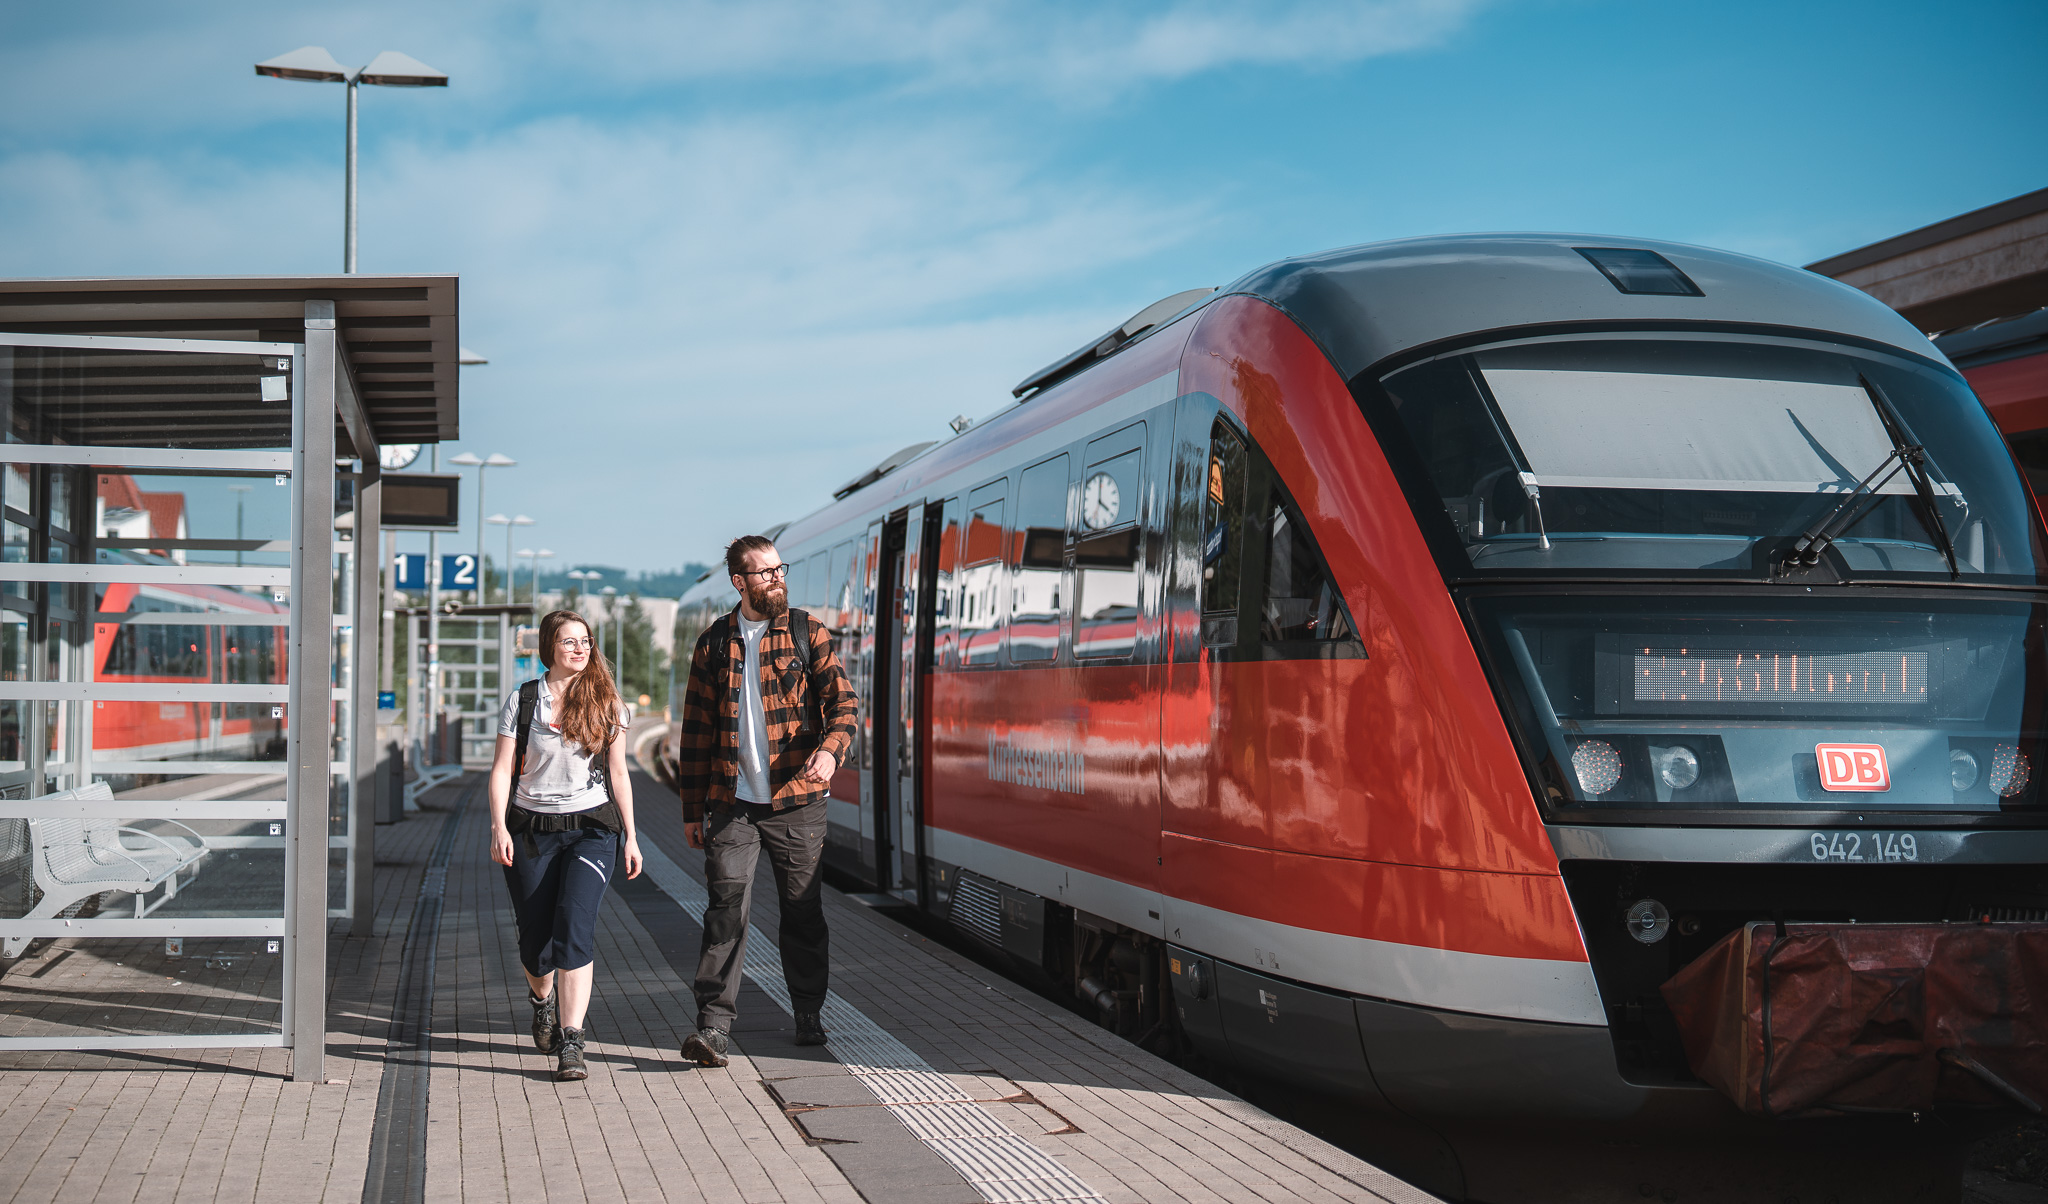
(310, 735)
(348, 217)
(369, 770)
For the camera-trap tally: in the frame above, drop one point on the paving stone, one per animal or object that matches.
(225, 1125)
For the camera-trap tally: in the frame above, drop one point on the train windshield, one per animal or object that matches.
(1799, 701)
(1662, 455)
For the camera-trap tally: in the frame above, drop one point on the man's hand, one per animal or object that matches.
(694, 833)
(820, 768)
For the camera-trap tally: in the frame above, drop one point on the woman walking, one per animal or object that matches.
(561, 819)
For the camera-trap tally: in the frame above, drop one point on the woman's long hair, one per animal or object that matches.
(590, 705)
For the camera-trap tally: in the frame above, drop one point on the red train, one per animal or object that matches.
(153, 646)
(1386, 672)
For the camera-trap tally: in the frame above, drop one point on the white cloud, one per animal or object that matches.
(697, 325)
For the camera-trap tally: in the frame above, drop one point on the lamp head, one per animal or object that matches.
(311, 63)
(465, 459)
(497, 461)
(498, 520)
(520, 520)
(395, 70)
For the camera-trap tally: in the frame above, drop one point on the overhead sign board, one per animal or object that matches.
(458, 570)
(421, 501)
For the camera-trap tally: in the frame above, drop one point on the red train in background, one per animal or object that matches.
(154, 646)
(1384, 674)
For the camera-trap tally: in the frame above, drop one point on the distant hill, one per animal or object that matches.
(659, 583)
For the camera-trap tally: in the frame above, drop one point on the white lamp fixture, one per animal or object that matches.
(388, 70)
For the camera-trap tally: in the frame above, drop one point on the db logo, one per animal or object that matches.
(1853, 767)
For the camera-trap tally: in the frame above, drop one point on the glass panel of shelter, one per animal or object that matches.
(142, 711)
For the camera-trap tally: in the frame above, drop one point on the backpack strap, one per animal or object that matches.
(529, 702)
(800, 622)
(800, 634)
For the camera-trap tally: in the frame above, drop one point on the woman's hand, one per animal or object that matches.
(633, 861)
(501, 845)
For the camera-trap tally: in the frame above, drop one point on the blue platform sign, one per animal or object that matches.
(387, 700)
(409, 570)
(458, 570)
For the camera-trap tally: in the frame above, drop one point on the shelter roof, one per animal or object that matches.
(400, 331)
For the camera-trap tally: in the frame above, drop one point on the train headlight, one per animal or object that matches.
(1962, 769)
(2009, 770)
(1677, 766)
(1598, 766)
(1649, 921)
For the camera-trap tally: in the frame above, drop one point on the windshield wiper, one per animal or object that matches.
(1910, 458)
(1923, 488)
(1805, 551)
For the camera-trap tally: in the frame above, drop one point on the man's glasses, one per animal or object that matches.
(572, 643)
(775, 574)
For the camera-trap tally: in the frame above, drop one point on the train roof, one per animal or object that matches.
(1368, 302)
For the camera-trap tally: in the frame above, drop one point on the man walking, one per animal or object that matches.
(766, 717)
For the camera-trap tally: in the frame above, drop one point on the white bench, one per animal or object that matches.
(75, 858)
(429, 777)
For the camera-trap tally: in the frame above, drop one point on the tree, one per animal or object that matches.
(643, 668)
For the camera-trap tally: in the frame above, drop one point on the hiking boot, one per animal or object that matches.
(810, 1029)
(706, 1047)
(547, 1022)
(569, 1050)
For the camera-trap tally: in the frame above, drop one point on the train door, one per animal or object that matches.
(882, 758)
(919, 566)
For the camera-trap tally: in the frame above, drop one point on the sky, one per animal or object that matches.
(723, 257)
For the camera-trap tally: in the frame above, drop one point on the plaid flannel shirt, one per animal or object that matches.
(708, 758)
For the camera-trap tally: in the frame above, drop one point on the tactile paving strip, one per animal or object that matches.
(1002, 1166)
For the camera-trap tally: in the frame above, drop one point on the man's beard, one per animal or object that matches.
(769, 601)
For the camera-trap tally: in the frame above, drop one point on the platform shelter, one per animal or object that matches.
(188, 761)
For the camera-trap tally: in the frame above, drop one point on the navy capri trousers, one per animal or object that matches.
(558, 881)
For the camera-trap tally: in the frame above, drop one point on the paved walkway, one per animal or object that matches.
(940, 1065)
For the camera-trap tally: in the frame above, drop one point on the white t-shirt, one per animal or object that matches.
(561, 776)
(753, 785)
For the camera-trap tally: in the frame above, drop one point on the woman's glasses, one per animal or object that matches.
(572, 643)
(775, 574)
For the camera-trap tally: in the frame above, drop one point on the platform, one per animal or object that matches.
(943, 1082)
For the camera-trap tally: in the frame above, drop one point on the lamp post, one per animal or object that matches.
(511, 594)
(536, 558)
(611, 610)
(238, 491)
(389, 69)
(469, 460)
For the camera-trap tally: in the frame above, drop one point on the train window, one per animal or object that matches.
(1040, 550)
(1222, 535)
(157, 650)
(1299, 601)
(797, 585)
(1709, 455)
(1106, 549)
(981, 580)
(836, 600)
(249, 655)
(817, 581)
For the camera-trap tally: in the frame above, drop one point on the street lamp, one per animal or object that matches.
(511, 595)
(389, 69)
(536, 557)
(611, 610)
(238, 491)
(469, 460)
